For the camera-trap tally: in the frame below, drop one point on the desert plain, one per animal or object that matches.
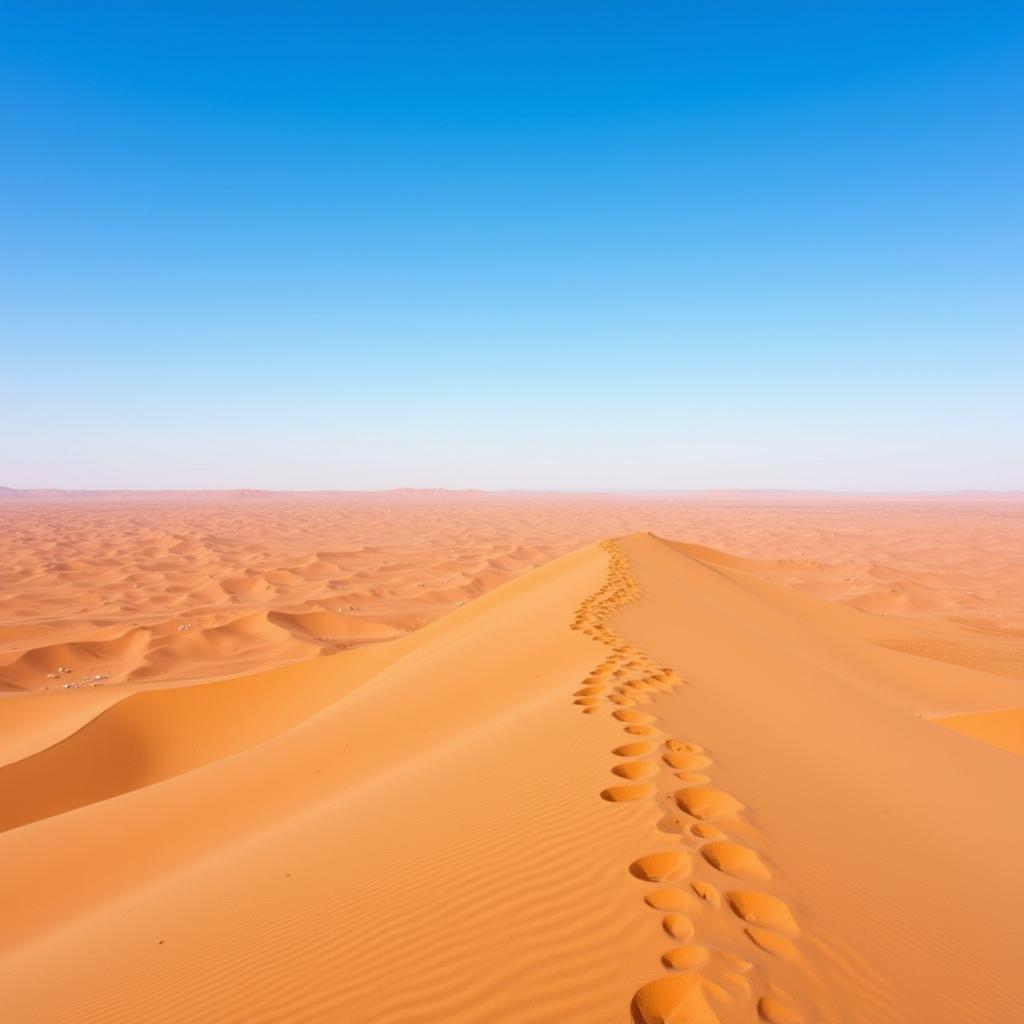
(419, 757)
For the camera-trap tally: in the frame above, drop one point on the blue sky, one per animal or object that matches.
(552, 245)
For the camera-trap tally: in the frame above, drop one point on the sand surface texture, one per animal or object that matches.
(173, 587)
(760, 761)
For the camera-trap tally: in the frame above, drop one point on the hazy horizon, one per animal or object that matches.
(498, 491)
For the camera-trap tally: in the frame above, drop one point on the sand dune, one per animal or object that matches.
(642, 782)
(114, 589)
(841, 795)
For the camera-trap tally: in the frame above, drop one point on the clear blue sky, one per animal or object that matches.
(526, 244)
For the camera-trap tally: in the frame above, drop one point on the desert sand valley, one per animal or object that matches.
(413, 757)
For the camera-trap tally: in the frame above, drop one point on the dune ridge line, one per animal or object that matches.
(700, 979)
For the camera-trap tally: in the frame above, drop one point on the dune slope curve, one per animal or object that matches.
(632, 785)
(863, 852)
(430, 845)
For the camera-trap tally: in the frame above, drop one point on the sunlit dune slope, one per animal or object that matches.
(895, 843)
(1003, 728)
(419, 849)
(641, 783)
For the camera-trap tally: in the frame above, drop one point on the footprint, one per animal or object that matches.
(763, 910)
(635, 770)
(707, 803)
(634, 749)
(633, 717)
(707, 892)
(684, 748)
(641, 730)
(685, 958)
(773, 1012)
(634, 698)
(662, 867)
(677, 999)
(735, 860)
(672, 827)
(621, 794)
(705, 831)
(669, 899)
(679, 926)
(772, 943)
(686, 762)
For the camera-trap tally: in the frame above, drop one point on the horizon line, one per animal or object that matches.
(30, 492)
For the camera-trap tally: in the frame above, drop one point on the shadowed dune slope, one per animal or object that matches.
(155, 734)
(638, 784)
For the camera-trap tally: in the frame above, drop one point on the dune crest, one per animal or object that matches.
(638, 680)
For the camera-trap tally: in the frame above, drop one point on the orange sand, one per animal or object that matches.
(640, 780)
(173, 587)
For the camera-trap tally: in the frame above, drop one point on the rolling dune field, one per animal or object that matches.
(467, 757)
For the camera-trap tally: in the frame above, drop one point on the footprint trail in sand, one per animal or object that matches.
(704, 981)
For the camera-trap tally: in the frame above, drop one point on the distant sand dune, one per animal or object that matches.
(77, 571)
